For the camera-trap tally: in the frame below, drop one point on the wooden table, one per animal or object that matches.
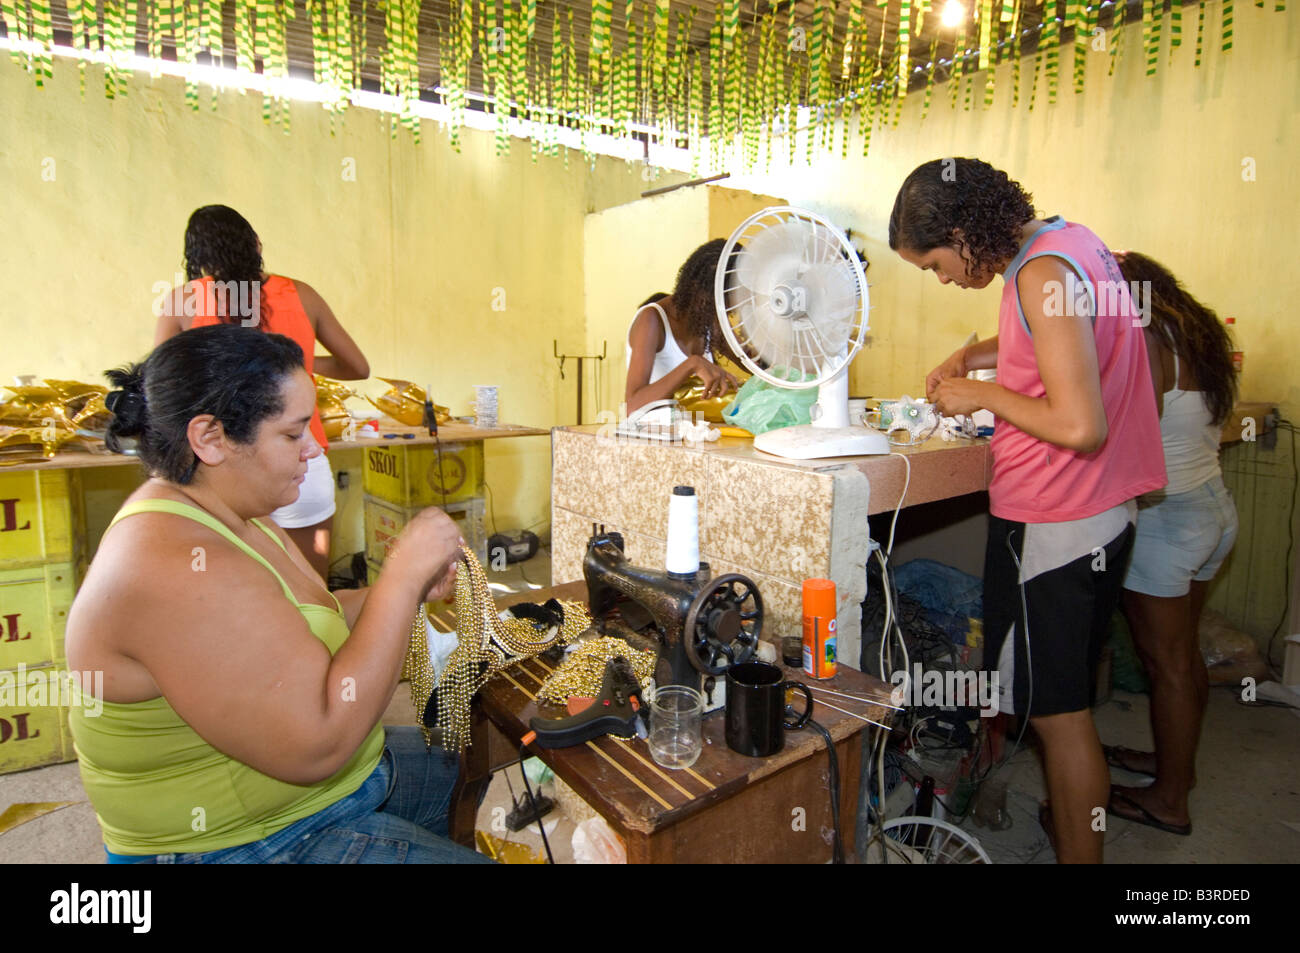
(726, 808)
(453, 432)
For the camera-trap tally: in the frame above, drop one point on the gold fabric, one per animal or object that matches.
(404, 402)
(690, 396)
(330, 397)
(42, 418)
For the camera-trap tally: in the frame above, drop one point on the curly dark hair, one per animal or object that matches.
(233, 373)
(944, 195)
(220, 242)
(693, 292)
(1189, 329)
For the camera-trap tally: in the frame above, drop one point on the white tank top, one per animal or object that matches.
(1190, 438)
(667, 357)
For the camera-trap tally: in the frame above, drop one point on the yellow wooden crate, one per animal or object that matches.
(41, 517)
(32, 734)
(34, 603)
(384, 523)
(409, 476)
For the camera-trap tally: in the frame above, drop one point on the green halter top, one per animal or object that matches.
(158, 787)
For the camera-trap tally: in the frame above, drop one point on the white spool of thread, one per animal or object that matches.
(684, 531)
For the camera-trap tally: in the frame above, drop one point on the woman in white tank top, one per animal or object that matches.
(1184, 533)
(674, 337)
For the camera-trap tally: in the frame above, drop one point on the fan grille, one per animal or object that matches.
(791, 297)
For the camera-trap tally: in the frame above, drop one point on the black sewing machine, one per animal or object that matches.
(703, 625)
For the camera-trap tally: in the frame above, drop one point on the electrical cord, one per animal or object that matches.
(1029, 661)
(1284, 424)
(880, 780)
(906, 483)
(532, 802)
(837, 847)
(492, 512)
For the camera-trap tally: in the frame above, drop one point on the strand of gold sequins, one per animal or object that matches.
(486, 645)
(583, 670)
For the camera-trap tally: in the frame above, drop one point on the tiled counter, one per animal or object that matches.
(776, 521)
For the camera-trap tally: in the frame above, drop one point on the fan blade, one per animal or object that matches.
(768, 335)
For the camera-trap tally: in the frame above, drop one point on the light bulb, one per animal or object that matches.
(954, 14)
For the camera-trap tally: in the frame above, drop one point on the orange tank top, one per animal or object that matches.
(284, 315)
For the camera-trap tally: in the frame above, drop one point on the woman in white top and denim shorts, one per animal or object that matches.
(1184, 533)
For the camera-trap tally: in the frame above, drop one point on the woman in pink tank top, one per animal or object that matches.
(1076, 440)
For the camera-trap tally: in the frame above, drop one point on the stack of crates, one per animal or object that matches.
(401, 481)
(42, 562)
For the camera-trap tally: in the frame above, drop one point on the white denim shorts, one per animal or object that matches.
(1181, 538)
(315, 501)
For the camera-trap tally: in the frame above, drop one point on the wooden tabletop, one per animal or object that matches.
(620, 779)
(101, 456)
(454, 432)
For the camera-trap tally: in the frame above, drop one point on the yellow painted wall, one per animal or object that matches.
(632, 251)
(1149, 164)
(409, 251)
(636, 249)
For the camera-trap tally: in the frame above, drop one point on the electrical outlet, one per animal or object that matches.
(343, 478)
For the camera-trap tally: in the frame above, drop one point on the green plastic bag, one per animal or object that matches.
(760, 406)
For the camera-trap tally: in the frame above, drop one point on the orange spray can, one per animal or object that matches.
(819, 642)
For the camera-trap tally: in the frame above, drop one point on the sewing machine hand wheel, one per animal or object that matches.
(723, 624)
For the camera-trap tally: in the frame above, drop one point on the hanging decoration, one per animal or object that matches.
(1117, 37)
(1051, 36)
(729, 97)
(1015, 55)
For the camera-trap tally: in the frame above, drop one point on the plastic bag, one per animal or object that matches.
(1229, 655)
(594, 842)
(760, 406)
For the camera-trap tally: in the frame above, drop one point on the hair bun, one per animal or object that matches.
(127, 405)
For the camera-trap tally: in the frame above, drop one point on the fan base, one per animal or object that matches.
(808, 442)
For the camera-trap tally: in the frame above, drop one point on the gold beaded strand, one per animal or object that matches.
(486, 645)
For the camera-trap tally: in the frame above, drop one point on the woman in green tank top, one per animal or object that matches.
(242, 700)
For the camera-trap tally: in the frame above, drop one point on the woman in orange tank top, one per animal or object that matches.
(226, 283)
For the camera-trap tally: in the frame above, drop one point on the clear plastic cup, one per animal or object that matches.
(675, 713)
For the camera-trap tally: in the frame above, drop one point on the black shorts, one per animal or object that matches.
(1072, 574)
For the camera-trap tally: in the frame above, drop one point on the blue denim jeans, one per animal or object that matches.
(399, 815)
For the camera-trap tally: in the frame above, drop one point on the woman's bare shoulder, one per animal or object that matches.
(158, 556)
(647, 327)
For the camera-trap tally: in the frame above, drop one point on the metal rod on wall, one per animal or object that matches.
(580, 358)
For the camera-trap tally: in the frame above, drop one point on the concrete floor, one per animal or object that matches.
(1246, 808)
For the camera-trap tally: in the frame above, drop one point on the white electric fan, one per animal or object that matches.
(793, 307)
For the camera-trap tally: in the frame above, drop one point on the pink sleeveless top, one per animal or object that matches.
(1038, 482)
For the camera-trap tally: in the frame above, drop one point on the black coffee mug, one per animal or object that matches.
(756, 709)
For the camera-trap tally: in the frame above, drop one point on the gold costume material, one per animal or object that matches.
(404, 402)
(583, 669)
(486, 645)
(690, 395)
(330, 397)
(42, 418)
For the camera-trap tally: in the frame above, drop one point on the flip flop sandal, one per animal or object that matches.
(1116, 755)
(1143, 816)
